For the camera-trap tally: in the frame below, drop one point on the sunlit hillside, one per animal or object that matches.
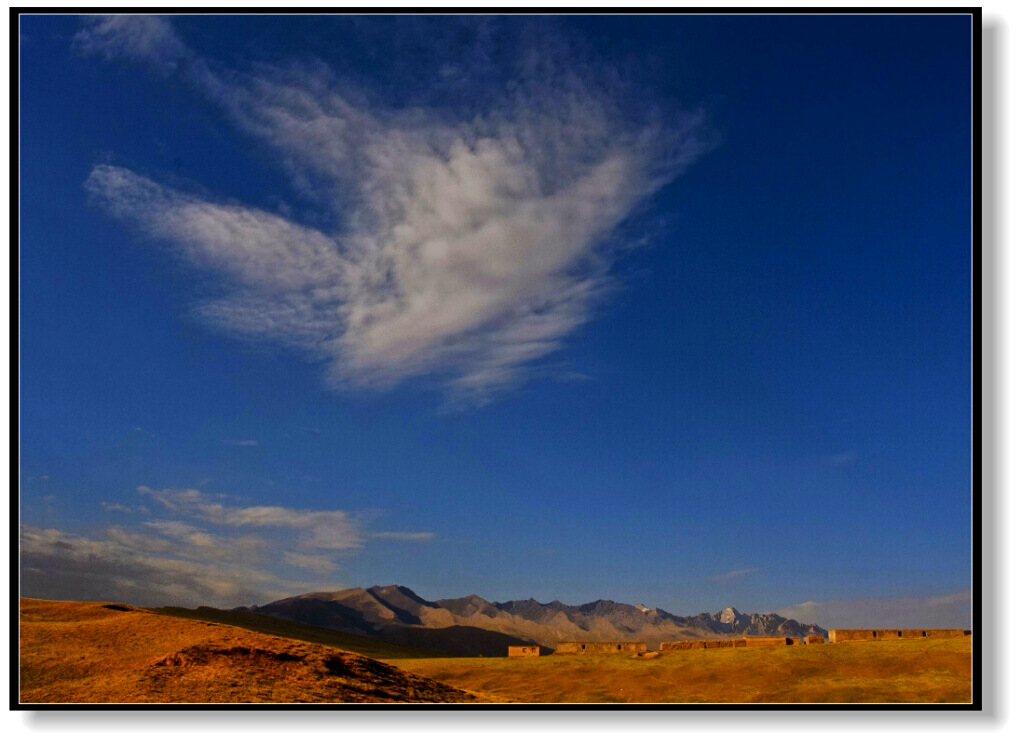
(88, 652)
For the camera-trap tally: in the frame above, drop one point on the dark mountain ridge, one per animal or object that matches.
(470, 626)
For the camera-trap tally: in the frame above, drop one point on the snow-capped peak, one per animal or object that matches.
(729, 615)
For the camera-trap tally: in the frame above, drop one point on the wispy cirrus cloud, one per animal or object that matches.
(145, 38)
(469, 249)
(335, 530)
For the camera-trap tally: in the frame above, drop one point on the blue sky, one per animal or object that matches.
(671, 310)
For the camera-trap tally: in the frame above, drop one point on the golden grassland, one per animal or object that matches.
(88, 652)
(915, 671)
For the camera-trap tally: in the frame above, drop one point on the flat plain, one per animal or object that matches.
(873, 672)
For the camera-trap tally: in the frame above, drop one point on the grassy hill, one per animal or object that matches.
(93, 652)
(371, 647)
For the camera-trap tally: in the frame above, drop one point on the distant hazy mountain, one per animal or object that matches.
(470, 626)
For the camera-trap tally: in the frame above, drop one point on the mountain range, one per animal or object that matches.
(472, 626)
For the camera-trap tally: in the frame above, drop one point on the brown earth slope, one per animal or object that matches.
(86, 652)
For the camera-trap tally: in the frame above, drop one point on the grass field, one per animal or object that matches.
(883, 671)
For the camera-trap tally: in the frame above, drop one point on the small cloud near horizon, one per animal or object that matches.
(200, 550)
(940, 611)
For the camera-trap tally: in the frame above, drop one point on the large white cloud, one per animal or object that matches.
(465, 249)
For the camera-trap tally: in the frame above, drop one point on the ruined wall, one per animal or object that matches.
(889, 634)
(849, 634)
(517, 651)
(698, 645)
(754, 641)
(947, 633)
(809, 639)
(751, 641)
(680, 645)
(596, 647)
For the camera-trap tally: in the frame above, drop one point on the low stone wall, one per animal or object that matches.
(600, 647)
(846, 634)
(698, 645)
(680, 645)
(748, 641)
(841, 635)
(947, 633)
(520, 651)
(809, 639)
(758, 641)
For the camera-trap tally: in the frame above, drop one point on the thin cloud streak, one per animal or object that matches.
(731, 575)
(325, 529)
(391, 535)
(470, 249)
(127, 509)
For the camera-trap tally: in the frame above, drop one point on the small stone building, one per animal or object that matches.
(600, 647)
(518, 651)
(809, 639)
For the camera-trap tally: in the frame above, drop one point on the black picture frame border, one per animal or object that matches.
(977, 447)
